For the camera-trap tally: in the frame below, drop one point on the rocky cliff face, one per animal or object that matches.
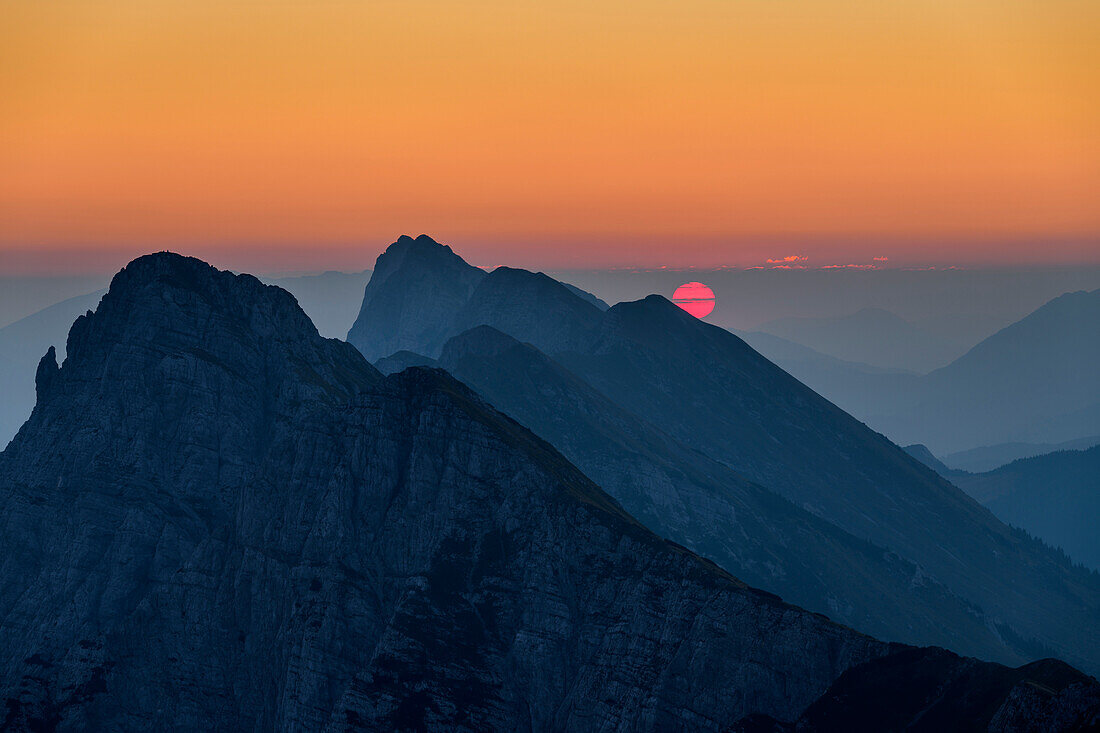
(414, 292)
(709, 391)
(217, 519)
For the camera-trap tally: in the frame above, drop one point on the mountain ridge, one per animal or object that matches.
(684, 496)
(733, 405)
(873, 336)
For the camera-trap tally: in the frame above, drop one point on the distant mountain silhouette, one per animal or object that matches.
(585, 295)
(330, 299)
(708, 390)
(1055, 497)
(423, 294)
(989, 457)
(851, 385)
(1034, 381)
(922, 454)
(401, 361)
(21, 346)
(872, 336)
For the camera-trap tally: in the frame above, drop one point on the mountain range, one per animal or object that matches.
(871, 336)
(708, 390)
(682, 494)
(989, 457)
(1054, 496)
(1031, 382)
(217, 519)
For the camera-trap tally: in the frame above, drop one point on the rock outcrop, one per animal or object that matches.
(415, 290)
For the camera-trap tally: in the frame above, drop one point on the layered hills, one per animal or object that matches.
(710, 392)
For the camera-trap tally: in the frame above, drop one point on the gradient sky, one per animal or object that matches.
(309, 135)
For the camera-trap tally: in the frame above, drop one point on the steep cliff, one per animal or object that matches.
(413, 294)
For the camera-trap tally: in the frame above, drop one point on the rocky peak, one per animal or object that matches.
(169, 289)
(219, 520)
(46, 374)
(423, 251)
(173, 335)
(418, 284)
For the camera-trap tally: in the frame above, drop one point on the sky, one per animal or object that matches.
(279, 136)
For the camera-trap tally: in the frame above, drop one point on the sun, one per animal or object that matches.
(696, 298)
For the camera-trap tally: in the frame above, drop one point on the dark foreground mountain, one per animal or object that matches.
(935, 691)
(216, 519)
(710, 391)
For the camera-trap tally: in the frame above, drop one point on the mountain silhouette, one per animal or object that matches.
(925, 456)
(681, 494)
(711, 392)
(1031, 382)
(414, 291)
(518, 301)
(989, 457)
(330, 299)
(1055, 497)
(217, 519)
(870, 336)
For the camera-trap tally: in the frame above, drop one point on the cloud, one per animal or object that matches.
(881, 259)
(788, 260)
(849, 266)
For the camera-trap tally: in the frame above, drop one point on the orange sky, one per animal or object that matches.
(650, 132)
